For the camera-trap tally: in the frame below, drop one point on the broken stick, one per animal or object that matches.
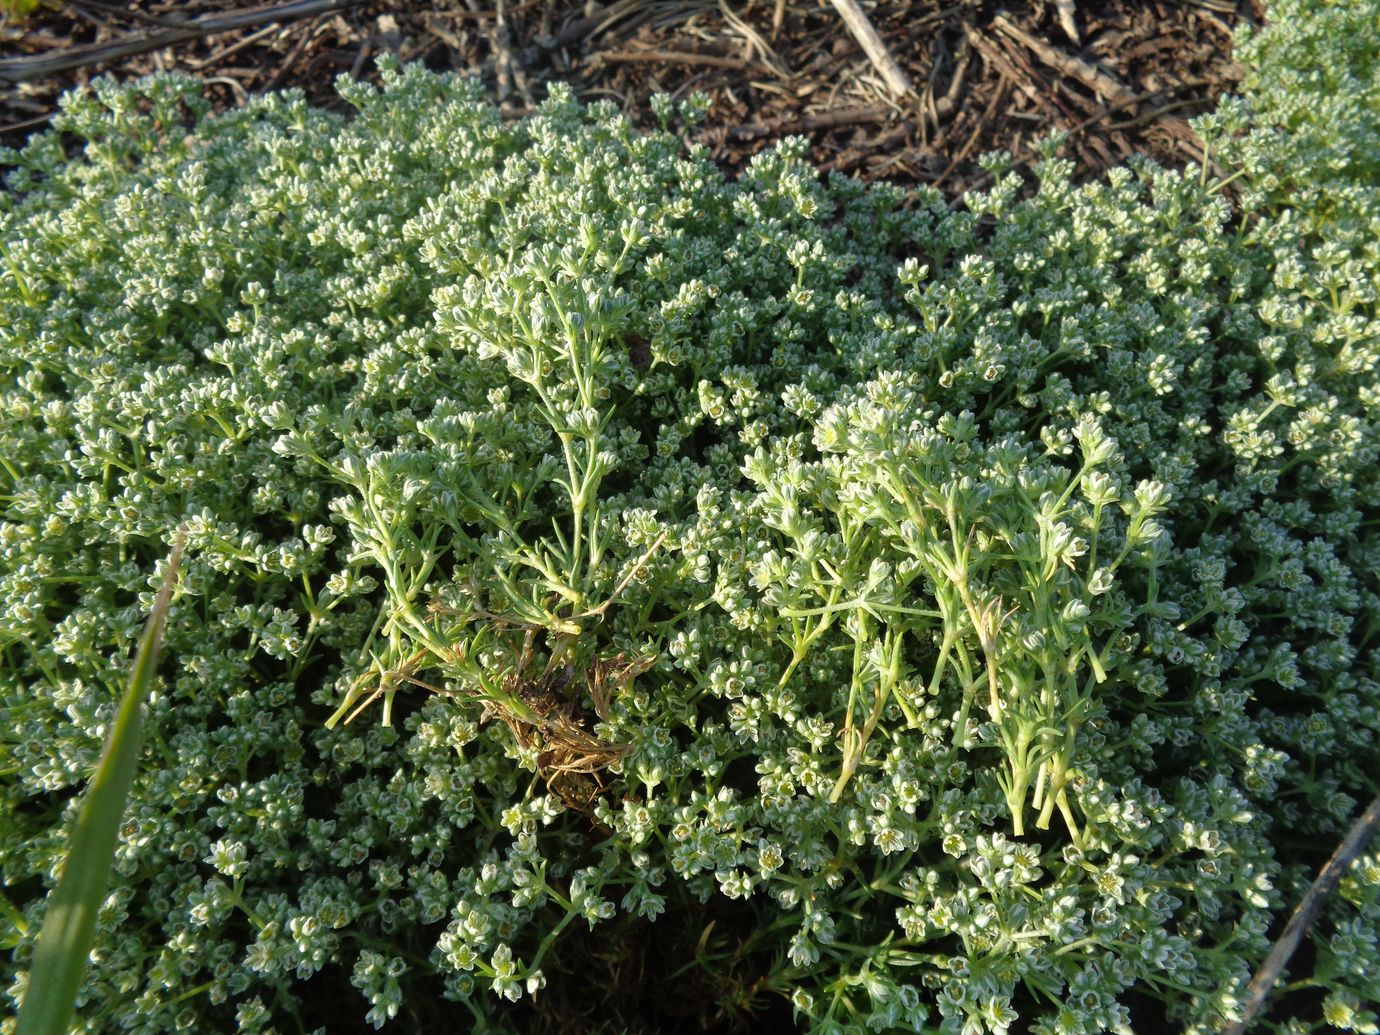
(872, 44)
(1067, 21)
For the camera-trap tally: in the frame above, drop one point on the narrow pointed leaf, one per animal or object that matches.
(68, 928)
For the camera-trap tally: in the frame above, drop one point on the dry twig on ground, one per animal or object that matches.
(18, 70)
(1095, 79)
(877, 52)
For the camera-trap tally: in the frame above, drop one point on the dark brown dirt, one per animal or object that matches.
(985, 74)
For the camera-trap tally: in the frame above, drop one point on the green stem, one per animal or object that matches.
(852, 749)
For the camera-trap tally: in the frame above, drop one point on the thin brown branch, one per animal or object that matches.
(285, 66)
(675, 57)
(811, 123)
(756, 44)
(915, 25)
(234, 48)
(26, 125)
(778, 17)
(135, 14)
(946, 105)
(997, 95)
(1008, 70)
(1047, 90)
(503, 57)
(17, 70)
(1143, 98)
(1304, 915)
(877, 52)
(1101, 82)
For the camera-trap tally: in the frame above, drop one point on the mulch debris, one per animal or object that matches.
(985, 74)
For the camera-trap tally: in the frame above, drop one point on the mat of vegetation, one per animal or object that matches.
(922, 619)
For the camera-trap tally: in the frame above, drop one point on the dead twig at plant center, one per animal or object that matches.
(569, 757)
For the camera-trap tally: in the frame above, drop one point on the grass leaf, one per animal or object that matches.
(69, 926)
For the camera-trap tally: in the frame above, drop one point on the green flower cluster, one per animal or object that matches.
(984, 602)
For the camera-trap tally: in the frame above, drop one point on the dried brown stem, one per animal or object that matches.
(877, 52)
(24, 126)
(589, 26)
(18, 70)
(286, 64)
(677, 57)
(811, 123)
(1322, 888)
(503, 57)
(1009, 72)
(1142, 98)
(945, 105)
(1102, 83)
(240, 44)
(778, 17)
(133, 13)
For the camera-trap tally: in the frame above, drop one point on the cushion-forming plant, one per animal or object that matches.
(982, 602)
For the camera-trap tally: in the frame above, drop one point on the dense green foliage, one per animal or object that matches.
(981, 602)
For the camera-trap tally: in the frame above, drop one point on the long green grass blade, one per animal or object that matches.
(69, 926)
